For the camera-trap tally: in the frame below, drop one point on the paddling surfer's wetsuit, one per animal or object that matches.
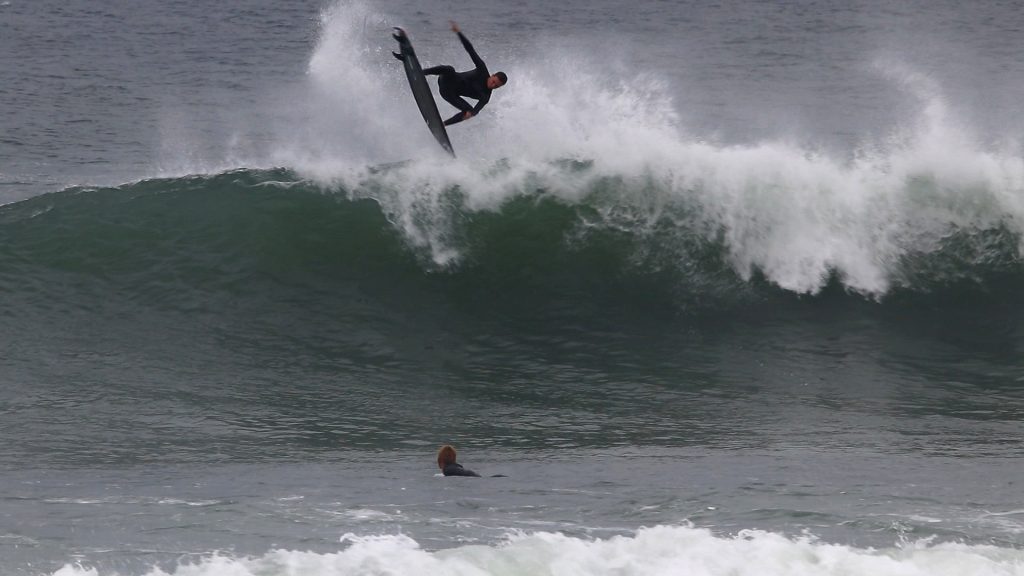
(471, 84)
(454, 469)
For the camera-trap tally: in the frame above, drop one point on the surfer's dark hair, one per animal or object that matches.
(445, 456)
(501, 76)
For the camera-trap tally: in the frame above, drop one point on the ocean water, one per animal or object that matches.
(713, 289)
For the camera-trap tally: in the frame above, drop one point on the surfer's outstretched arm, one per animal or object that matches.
(469, 47)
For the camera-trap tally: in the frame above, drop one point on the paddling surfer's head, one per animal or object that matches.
(496, 80)
(445, 456)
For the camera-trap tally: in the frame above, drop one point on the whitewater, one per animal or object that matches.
(655, 551)
(795, 214)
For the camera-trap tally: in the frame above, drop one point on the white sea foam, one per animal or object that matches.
(667, 550)
(566, 127)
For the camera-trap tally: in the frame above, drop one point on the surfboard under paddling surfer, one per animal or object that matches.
(476, 83)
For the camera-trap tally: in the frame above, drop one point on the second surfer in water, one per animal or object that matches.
(449, 467)
(476, 83)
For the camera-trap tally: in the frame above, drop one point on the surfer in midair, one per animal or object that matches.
(476, 83)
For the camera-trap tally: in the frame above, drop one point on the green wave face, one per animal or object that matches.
(206, 243)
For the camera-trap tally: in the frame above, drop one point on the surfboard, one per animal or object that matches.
(421, 90)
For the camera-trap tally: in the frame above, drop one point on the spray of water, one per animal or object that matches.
(567, 129)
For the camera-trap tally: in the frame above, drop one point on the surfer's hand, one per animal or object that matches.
(455, 27)
(467, 114)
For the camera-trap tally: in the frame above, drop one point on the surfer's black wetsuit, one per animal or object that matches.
(472, 84)
(454, 469)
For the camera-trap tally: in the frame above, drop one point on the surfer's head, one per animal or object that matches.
(445, 456)
(496, 80)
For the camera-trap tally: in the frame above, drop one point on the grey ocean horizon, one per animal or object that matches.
(718, 287)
